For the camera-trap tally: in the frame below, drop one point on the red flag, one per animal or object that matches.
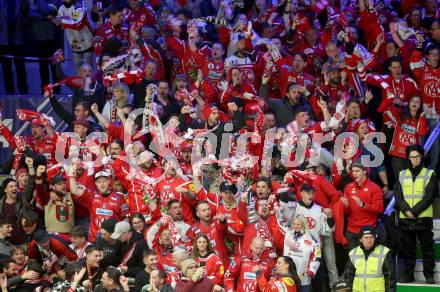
(27, 115)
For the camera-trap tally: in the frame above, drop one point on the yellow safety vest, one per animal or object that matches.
(413, 191)
(368, 276)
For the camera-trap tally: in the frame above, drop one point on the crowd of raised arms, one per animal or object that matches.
(210, 145)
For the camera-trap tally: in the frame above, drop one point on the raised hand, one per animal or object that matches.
(41, 169)
(94, 108)
(29, 161)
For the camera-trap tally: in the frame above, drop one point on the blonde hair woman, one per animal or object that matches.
(119, 99)
(303, 250)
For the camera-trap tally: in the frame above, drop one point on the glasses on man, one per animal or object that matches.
(414, 157)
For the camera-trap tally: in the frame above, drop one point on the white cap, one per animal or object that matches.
(102, 174)
(120, 227)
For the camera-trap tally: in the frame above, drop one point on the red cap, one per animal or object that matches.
(36, 122)
(81, 122)
(186, 145)
(207, 110)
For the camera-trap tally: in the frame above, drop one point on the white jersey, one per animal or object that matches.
(305, 252)
(78, 29)
(244, 65)
(316, 221)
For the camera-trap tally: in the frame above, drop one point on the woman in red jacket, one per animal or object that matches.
(287, 280)
(204, 255)
(410, 126)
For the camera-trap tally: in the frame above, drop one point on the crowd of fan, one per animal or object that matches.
(168, 208)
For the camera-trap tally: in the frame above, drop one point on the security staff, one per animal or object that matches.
(371, 266)
(415, 192)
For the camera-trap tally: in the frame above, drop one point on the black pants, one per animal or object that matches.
(409, 242)
(352, 238)
(320, 281)
(398, 164)
(46, 49)
(14, 50)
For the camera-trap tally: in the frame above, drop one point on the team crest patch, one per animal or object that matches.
(62, 213)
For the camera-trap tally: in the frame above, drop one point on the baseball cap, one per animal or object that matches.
(225, 186)
(56, 179)
(358, 164)
(36, 122)
(367, 230)
(102, 174)
(180, 76)
(120, 227)
(41, 236)
(109, 224)
(81, 122)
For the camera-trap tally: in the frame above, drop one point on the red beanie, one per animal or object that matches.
(207, 110)
(358, 123)
(20, 171)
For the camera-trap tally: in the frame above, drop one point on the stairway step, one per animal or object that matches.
(417, 287)
(436, 251)
(418, 272)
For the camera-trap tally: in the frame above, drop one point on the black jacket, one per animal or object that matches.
(69, 118)
(431, 190)
(142, 279)
(388, 270)
(112, 255)
(218, 130)
(135, 264)
(140, 91)
(283, 109)
(96, 273)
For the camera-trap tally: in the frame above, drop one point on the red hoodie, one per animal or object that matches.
(371, 195)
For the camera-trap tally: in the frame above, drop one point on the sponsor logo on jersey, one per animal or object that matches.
(104, 212)
(250, 276)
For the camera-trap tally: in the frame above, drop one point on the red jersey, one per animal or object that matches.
(407, 133)
(326, 194)
(56, 251)
(235, 226)
(151, 53)
(139, 183)
(241, 268)
(268, 230)
(332, 94)
(212, 71)
(45, 146)
(136, 19)
(428, 79)
(165, 191)
(248, 67)
(287, 75)
(371, 195)
(184, 57)
(104, 32)
(402, 89)
(102, 207)
(164, 254)
(283, 284)
(215, 270)
(116, 131)
(187, 169)
(215, 232)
